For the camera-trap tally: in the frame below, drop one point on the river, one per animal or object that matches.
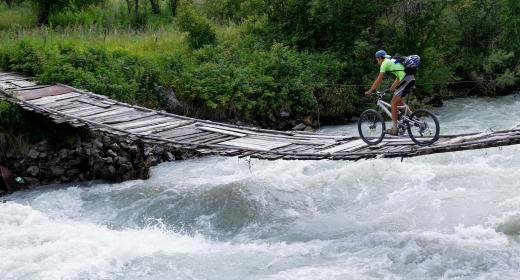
(454, 215)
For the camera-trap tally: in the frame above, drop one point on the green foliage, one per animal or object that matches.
(254, 59)
(117, 74)
(200, 31)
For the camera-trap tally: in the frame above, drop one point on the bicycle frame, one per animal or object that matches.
(385, 107)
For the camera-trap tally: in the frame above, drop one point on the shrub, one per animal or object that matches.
(200, 31)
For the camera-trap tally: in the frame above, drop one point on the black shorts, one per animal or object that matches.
(405, 86)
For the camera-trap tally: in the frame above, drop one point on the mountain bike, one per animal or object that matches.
(422, 125)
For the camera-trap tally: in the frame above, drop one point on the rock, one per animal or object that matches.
(285, 114)
(57, 171)
(148, 151)
(308, 120)
(170, 157)
(108, 172)
(111, 153)
(31, 181)
(73, 163)
(73, 172)
(435, 101)
(33, 171)
(114, 147)
(43, 155)
(33, 153)
(309, 129)
(109, 160)
(169, 100)
(98, 143)
(134, 150)
(63, 154)
(121, 160)
(299, 127)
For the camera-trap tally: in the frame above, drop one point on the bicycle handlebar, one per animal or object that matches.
(381, 93)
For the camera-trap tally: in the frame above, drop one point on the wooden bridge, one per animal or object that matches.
(79, 108)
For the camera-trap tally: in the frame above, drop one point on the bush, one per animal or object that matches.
(200, 31)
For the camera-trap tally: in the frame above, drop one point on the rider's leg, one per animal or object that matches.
(396, 101)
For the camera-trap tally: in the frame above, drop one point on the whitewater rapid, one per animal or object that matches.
(454, 215)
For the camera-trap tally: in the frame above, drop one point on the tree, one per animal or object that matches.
(46, 7)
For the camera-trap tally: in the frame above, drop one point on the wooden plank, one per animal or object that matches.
(77, 110)
(32, 94)
(7, 86)
(54, 98)
(143, 123)
(59, 104)
(282, 138)
(12, 77)
(127, 117)
(161, 127)
(177, 132)
(108, 112)
(246, 142)
(219, 140)
(23, 83)
(85, 110)
(222, 131)
(345, 147)
(187, 138)
(93, 102)
(213, 136)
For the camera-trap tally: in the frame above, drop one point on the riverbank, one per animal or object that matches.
(36, 151)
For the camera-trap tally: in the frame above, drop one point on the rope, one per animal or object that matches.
(419, 84)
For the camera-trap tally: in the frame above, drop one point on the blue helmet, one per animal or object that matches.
(381, 53)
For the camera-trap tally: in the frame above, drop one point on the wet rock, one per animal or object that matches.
(30, 181)
(170, 156)
(73, 173)
(98, 144)
(309, 129)
(109, 160)
(74, 163)
(108, 172)
(33, 171)
(115, 147)
(33, 153)
(57, 171)
(63, 154)
(121, 160)
(111, 153)
(299, 127)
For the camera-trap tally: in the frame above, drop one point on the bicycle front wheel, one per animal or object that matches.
(371, 127)
(423, 127)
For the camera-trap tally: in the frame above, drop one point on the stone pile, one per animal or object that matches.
(103, 157)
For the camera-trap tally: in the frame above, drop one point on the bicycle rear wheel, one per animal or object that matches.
(371, 127)
(423, 127)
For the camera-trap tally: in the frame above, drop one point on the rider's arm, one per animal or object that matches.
(376, 83)
(394, 85)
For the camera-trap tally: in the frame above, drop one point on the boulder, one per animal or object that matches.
(57, 171)
(299, 127)
(33, 171)
(33, 153)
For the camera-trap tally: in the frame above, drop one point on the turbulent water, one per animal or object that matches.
(454, 215)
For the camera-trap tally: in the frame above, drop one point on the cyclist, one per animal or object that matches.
(400, 87)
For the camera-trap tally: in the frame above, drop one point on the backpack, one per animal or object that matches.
(411, 62)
